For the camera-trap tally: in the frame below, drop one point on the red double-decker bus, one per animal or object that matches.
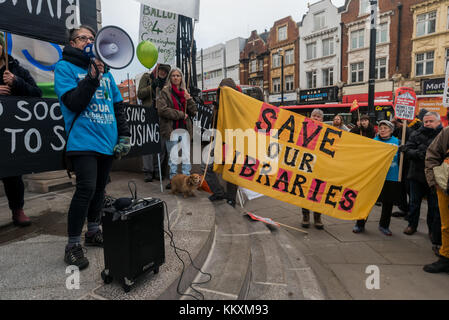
(383, 110)
(210, 95)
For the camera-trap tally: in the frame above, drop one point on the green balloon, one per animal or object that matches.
(147, 54)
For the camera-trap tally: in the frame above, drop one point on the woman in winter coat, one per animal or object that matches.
(15, 81)
(365, 129)
(174, 107)
(387, 195)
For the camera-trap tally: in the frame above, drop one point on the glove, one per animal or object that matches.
(401, 148)
(122, 148)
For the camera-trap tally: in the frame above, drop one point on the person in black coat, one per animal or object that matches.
(365, 129)
(15, 81)
(415, 150)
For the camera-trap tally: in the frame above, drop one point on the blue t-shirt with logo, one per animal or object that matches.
(393, 172)
(95, 129)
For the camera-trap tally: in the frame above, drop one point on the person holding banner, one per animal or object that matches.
(387, 195)
(415, 150)
(317, 115)
(15, 81)
(435, 155)
(218, 193)
(174, 106)
(97, 131)
(150, 88)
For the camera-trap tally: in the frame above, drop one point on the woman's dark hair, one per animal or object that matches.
(73, 32)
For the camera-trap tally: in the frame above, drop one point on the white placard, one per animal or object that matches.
(161, 28)
(188, 8)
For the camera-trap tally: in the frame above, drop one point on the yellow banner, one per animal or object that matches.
(294, 159)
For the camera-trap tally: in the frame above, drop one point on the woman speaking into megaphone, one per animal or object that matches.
(96, 131)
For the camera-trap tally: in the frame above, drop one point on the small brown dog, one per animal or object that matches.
(185, 184)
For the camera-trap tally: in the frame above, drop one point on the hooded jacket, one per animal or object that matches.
(24, 84)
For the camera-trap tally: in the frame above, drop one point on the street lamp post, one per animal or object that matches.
(280, 52)
(372, 61)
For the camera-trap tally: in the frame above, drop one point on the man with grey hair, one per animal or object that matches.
(415, 152)
(316, 115)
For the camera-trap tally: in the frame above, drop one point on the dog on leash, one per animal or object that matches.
(185, 184)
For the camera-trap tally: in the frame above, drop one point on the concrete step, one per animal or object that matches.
(229, 261)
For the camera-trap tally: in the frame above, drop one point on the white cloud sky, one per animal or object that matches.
(220, 20)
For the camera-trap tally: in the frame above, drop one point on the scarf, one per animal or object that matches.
(75, 56)
(179, 103)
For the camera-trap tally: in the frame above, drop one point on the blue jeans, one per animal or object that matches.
(417, 191)
(181, 142)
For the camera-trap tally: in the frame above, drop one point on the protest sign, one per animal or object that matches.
(46, 20)
(32, 134)
(405, 103)
(161, 28)
(294, 159)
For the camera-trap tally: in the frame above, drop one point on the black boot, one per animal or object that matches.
(442, 265)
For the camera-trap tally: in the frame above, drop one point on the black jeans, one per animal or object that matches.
(92, 174)
(417, 192)
(15, 191)
(387, 197)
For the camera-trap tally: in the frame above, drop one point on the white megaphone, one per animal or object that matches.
(113, 46)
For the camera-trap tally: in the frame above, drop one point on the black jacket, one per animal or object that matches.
(24, 84)
(415, 151)
(79, 98)
(368, 132)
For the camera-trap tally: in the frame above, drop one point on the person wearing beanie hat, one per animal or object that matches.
(387, 195)
(15, 81)
(150, 87)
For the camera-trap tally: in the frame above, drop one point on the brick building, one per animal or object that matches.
(255, 62)
(393, 48)
(283, 44)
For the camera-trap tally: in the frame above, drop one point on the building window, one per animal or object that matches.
(424, 63)
(276, 60)
(277, 85)
(364, 7)
(282, 33)
(289, 57)
(311, 51)
(289, 83)
(358, 39)
(381, 68)
(253, 66)
(328, 77)
(357, 72)
(425, 23)
(448, 17)
(311, 79)
(319, 20)
(382, 33)
(260, 62)
(328, 47)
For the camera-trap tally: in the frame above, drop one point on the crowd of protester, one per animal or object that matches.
(92, 146)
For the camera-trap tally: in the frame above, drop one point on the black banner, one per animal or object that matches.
(46, 20)
(319, 95)
(145, 133)
(204, 117)
(32, 134)
(433, 86)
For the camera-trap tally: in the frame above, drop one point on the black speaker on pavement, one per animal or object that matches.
(133, 241)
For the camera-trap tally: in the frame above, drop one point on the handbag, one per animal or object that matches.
(66, 162)
(441, 174)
